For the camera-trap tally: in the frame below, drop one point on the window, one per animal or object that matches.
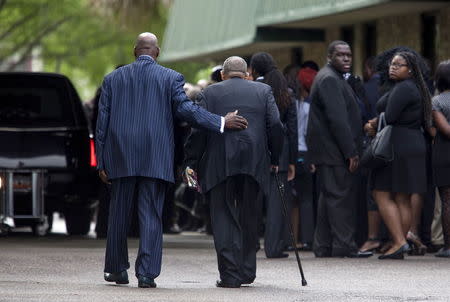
(27, 101)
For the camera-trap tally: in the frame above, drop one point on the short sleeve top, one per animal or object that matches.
(441, 103)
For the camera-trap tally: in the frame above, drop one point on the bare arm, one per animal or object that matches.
(441, 123)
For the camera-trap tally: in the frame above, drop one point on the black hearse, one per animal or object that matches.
(47, 156)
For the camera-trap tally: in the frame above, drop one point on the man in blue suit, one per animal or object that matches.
(135, 153)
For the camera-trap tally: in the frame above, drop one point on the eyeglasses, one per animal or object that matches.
(397, 66)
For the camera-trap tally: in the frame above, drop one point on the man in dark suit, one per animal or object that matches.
(333, 138)
(135, 153)
(233, 167)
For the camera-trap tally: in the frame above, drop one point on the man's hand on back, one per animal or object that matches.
(235, 122)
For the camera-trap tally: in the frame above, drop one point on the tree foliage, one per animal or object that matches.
(84, 39)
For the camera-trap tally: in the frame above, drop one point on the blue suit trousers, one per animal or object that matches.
(149, 194)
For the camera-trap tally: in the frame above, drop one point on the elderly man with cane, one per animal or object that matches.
(232, 168)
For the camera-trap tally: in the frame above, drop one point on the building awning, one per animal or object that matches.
(213, 29)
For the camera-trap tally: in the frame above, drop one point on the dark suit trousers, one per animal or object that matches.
(276, 231)
(304, 200)
(150, 199)
(233, 219)
(335, 229)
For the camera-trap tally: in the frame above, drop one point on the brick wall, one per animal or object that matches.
(402, 30)
(443, 46)
(282, 56)
(392, 31)
(317, 51)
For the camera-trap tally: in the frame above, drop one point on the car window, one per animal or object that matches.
(34, 102)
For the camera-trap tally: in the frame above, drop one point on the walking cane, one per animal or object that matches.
(294, 244)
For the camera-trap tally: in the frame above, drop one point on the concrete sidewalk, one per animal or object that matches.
(60, 268)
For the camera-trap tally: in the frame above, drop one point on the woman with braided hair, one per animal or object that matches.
(382, 64)
(265, 70)
(407, 107)
(422, 204)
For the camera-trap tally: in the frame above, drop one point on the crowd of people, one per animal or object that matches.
(386, 208)
(260, 137)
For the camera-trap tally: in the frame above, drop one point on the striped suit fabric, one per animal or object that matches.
(135, 146)
(134, 135)
(150, 199)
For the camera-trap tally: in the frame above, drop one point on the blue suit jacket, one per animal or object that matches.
(134, 135)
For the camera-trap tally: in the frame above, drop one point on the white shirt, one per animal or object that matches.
(302, 123)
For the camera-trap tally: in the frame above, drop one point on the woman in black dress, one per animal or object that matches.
(441, 149)
(265, 70)
(407, 107)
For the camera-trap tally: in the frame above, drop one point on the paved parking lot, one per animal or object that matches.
(60, 268)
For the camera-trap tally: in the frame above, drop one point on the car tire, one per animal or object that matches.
(40, 228)
(4, 230)
(78, 220)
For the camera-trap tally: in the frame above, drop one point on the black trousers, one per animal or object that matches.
(276, 231)
(335, 229)
(304, 200)
(234, 226)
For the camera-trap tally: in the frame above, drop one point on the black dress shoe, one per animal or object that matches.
(220, 283)
(282, 255)
(144, 282)
(247, 282)
(322, 252)
(397, 255)
(360, 254)
(119, 278)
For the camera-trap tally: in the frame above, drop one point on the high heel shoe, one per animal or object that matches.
(385, 247)
(417, 247)
(397, 255)
(375, 241)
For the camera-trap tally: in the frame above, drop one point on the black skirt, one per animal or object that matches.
(407, 173)
(441, 160)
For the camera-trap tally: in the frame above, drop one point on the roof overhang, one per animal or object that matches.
(264, 38)
(367, 14)
(236, 27)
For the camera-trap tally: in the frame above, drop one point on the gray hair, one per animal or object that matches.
(234, 64)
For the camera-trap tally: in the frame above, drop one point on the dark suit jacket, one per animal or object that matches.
(334, 126)
(134, 135)
(290, 143)
(216, 157)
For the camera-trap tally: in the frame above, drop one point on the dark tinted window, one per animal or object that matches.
(34, 101)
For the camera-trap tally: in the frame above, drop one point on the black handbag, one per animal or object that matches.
(380, 150)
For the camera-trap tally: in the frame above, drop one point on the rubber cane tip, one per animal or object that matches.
(304, 283)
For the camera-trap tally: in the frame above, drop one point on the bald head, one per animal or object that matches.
(234, 67)
(146, 44)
